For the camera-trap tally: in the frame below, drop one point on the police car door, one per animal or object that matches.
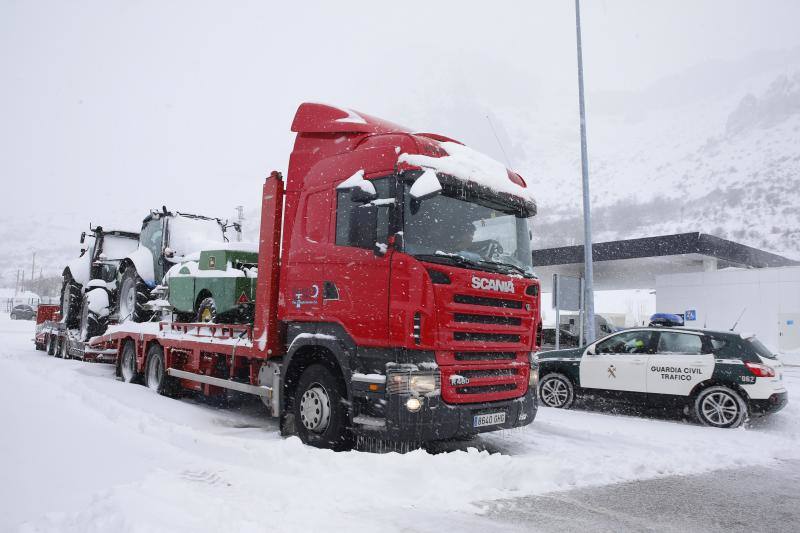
(618, 362)
(679, 363)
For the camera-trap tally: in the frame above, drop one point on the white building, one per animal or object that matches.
(768, 300)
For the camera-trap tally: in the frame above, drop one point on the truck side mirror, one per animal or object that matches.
(169, 252)
(363, 231)
(360, 196)
(83, 236)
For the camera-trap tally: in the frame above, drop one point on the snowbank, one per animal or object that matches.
(137, 461)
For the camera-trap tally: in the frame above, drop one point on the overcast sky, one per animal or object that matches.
(137, 104)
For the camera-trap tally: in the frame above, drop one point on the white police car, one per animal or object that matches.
(721, 376)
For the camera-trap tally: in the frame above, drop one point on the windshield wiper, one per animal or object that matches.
(509, 265)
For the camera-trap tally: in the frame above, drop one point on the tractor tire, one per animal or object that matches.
(91, 324)
(155, 374)
(320, 410)
(207, 311)
(133, 295)
(70, 302)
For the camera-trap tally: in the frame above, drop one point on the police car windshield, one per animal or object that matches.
(760, 349)
(469, 232)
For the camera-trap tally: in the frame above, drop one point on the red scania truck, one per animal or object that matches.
(395, 299)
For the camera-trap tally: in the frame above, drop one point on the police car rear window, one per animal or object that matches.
(759, 348)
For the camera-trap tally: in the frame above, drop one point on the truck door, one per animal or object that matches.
(152, 238)
(619, 362)
(344, 281)
(678, 363)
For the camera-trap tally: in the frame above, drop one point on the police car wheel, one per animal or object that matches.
(720, 407)
(555, 390)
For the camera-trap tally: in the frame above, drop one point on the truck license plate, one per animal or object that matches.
(488, 419)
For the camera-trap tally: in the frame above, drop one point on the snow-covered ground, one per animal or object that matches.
(80, 451)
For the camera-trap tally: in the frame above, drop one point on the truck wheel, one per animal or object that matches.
(555, 390)
(155, 375)
(70, 302)
(92, 324)
(128, 363)
(207, 311)
(720, 407)
(133, 294)
(51, 344)
(320, 413)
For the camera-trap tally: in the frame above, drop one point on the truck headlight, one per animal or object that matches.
(414, 383)
(533, 379)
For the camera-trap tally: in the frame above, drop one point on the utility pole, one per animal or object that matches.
(16, 285)
(240, 217)
(588, 296)
(33, 267)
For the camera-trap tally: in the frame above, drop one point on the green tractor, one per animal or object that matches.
(218, 287)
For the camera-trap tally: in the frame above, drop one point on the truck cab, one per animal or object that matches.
(407, 256)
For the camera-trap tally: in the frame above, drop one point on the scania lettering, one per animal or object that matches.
(370, 315)
(492, 284)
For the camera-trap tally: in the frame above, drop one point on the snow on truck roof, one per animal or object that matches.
(456, 160)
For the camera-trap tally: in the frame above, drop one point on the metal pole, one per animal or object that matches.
(588, 294)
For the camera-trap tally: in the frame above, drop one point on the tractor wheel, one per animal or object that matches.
(207, 311)
(133, 294)
(70, 302)
(92, 324)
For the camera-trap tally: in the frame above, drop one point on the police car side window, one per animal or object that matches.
(726, 348)
(682, 343)
(627, 342)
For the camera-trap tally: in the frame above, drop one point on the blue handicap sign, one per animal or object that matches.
(691, 314)
(790, 322)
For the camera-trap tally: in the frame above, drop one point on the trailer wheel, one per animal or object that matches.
(320, 411)
(51, 344)
(207, 310)
(155, 375)
(128, 363)
(133, 294)
(70, 302)
(64, 349)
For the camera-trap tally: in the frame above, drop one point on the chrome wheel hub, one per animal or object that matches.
(554, 393)
(315, 409)
(720, 408)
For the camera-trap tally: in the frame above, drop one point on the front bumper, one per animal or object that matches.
(437, 420)
(774, 403)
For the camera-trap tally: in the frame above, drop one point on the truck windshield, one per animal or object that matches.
(448, 229)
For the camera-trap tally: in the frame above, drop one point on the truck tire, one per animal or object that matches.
(127, 364)
(320, 410)
(133, 294)
(70, 302)
(155, 374)
(207, 311)
(91, 324)
(63, 349)
(720, 407)
(555, 390)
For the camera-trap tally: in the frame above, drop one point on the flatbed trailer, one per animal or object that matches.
(355, 336)
(53, 335)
